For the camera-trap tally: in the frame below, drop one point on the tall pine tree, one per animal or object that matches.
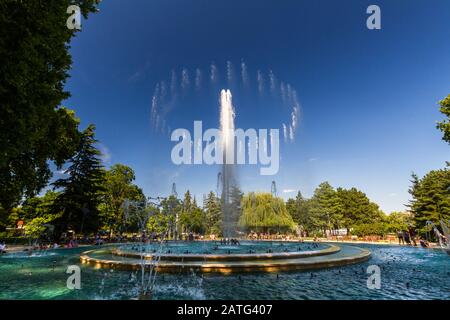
(213, 212)
(299, 209)
(430, 198)
(81, 191)
(324, 207)
(187, 202)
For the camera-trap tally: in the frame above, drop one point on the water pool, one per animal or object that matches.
(406, 273)
(214, 247)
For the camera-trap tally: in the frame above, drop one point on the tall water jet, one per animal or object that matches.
(229, 216)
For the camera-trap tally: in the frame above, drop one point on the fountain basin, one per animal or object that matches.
(331, 256)
(228, 257)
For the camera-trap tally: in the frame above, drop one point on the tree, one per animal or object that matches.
(118, 187)
(377, 228)
(325, 214)
(299, 209)
(38, 206)
(430, 198)
(444, 125)
(41, 227)
(235, 207)
(399, 221)
(158, 222)
(187, 202)
(15, 215)
(331, 209)
(171, 207)
(34, 128)
(38, 215)
(356, 209)
(213, 213)
(81, 192)
(192, 218)
(264, 212)
(194, 221)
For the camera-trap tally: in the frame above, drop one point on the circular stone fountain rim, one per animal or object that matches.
(331, 249)
(288, 264)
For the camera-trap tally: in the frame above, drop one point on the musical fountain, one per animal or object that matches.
(228, 171)
(250, 269)
(249, 256)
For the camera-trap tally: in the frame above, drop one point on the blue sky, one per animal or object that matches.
(368, 97)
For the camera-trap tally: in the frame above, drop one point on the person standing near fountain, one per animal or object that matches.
(401, 240)
(412, 235)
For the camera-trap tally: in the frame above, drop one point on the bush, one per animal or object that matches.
(373, 229)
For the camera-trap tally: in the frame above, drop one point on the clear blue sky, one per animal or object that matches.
(368, 98)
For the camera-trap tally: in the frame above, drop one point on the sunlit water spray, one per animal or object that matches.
(228, 171)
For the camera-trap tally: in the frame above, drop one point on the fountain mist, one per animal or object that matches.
(228, 170)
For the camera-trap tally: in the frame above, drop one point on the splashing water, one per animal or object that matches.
(228, 172)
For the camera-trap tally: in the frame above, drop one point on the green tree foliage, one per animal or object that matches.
(213, 214)
(356, 209)
(171, 208)
(34, 128)
(38, 215)
(299, 209)
(192, 218)
(41, 227)
(118, 187)
(187, 205)
(264, 212)
(158, 222)
(399, 221)
(38, 206)
(81, 192)
(13, 218)
(376, 228)
(430, 198)
(444, 125)
(324, 208)
(139, 215)
(331, 209)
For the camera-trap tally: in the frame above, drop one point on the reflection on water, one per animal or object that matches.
(30, 254)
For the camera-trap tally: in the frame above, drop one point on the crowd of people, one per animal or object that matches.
(252, 235)
(407, 237)
(230, 241)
